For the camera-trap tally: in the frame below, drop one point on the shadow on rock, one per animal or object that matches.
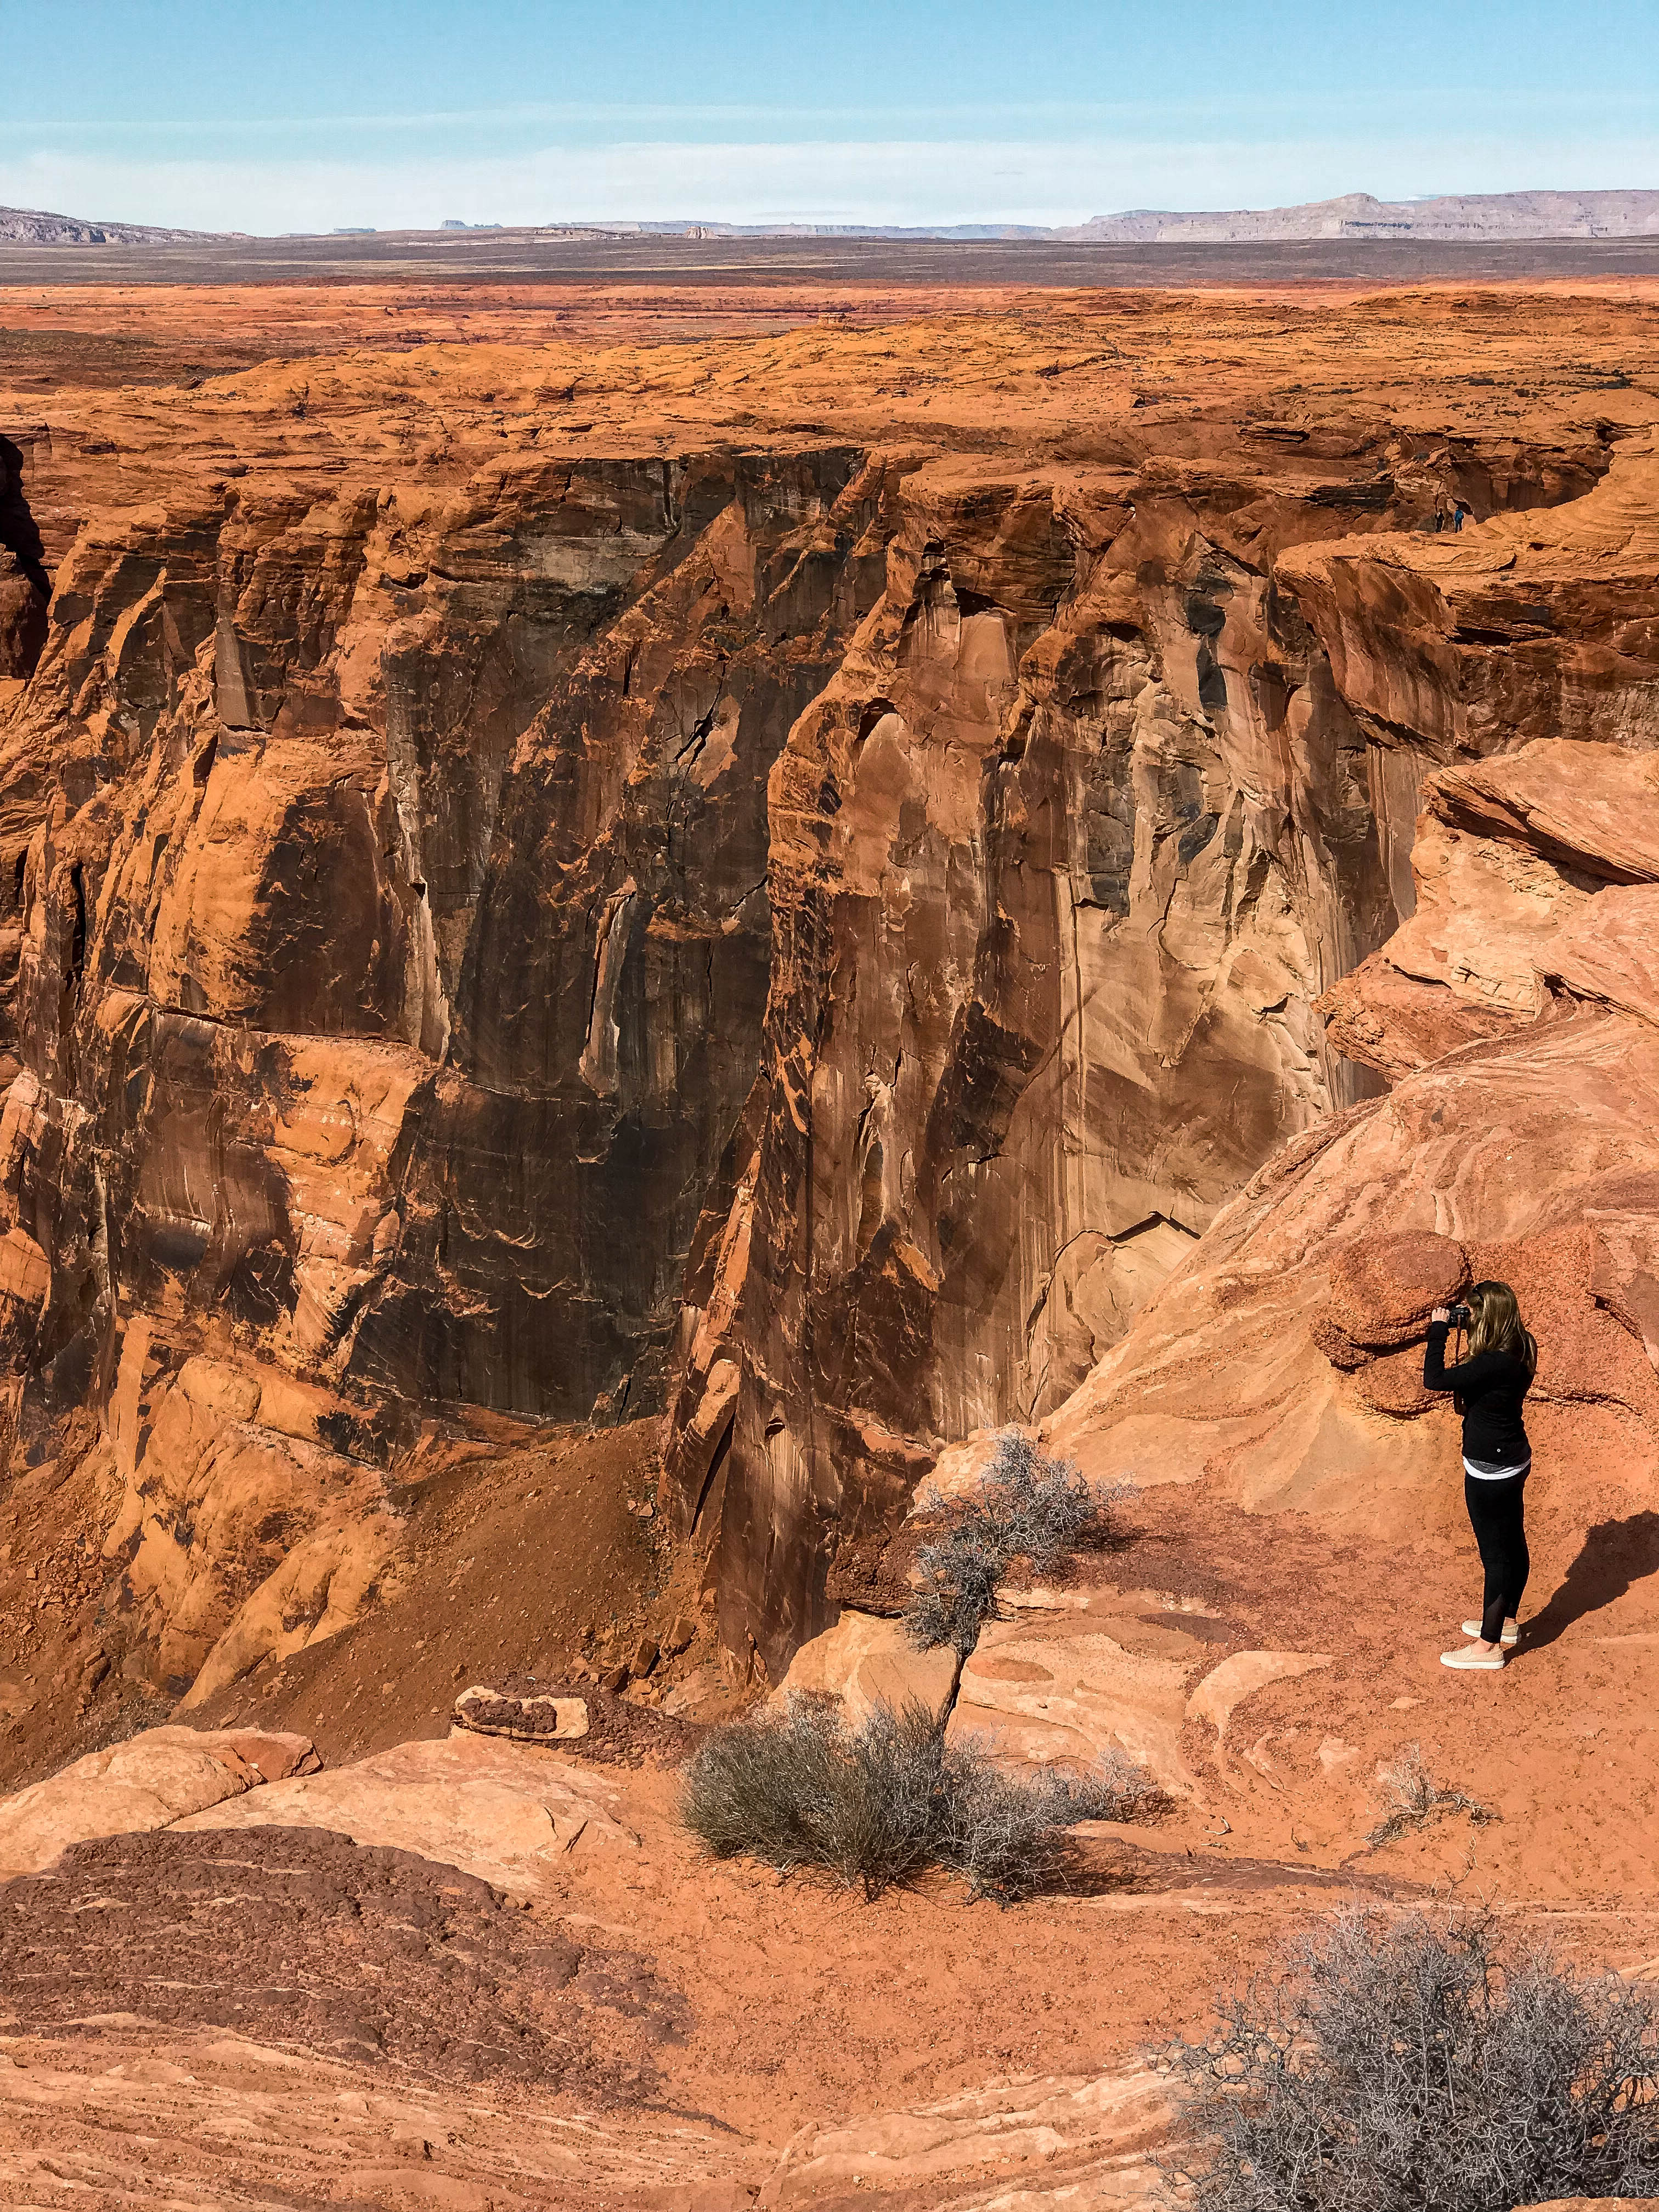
(1615, 1555)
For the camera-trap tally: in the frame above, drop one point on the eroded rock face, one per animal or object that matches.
(806, 935)
(1062, 862)
(387, 1001)
(341, 832)
(24, 585)
(1284, 1362)
(1509, 857)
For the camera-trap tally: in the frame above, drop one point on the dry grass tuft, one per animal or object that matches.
(1413, 1798)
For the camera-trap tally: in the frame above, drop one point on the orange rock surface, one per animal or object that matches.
(786, 881)
(1283, 1362)
(785, 877)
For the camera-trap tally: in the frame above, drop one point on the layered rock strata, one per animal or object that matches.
(1025, 1039)
(803, 929)
(1284, 1362)
(392, 956)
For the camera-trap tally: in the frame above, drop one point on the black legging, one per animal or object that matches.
(1497, 1515)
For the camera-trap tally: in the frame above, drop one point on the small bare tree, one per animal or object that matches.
(1027, 1505)
(875, 1803)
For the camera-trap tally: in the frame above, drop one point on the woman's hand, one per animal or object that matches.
(1441, 1313)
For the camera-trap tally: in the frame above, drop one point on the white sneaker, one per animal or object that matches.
(1508, 1639)
(1474, 1659)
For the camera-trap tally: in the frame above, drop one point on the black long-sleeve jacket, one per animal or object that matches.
(1491, 1389)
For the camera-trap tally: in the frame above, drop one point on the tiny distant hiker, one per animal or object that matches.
(1492, 1382)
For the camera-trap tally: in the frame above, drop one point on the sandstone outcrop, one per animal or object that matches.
(1507, 859)
(1068, 1678)
(148, 1782)
(1022, 2144)
(552, 884)
(507, 1816)
(1284, 1362)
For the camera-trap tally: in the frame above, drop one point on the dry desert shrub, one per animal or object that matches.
(1412, 1798)
(1418, 2066)
(875, 1804)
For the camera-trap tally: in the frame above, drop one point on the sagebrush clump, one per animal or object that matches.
(1418, 2065)
(875, 1804)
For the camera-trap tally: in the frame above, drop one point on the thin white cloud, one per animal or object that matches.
(774, 122)
(897, 180)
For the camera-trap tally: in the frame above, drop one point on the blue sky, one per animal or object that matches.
(307, 114)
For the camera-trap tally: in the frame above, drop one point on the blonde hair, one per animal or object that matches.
(1495, 1325)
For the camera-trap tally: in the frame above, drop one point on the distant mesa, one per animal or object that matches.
(34, 227)
(1468, 216)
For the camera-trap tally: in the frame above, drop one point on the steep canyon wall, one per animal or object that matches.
(798, 926)
(1063, 861)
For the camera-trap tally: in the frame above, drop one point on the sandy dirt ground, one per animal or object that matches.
(772, 2008)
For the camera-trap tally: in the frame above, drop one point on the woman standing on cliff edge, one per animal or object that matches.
(1491, 1383)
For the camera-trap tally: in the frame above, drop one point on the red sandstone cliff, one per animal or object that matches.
(1284, 1363)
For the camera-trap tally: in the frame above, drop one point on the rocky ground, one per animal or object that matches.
(635, 914)
(269, 2008)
